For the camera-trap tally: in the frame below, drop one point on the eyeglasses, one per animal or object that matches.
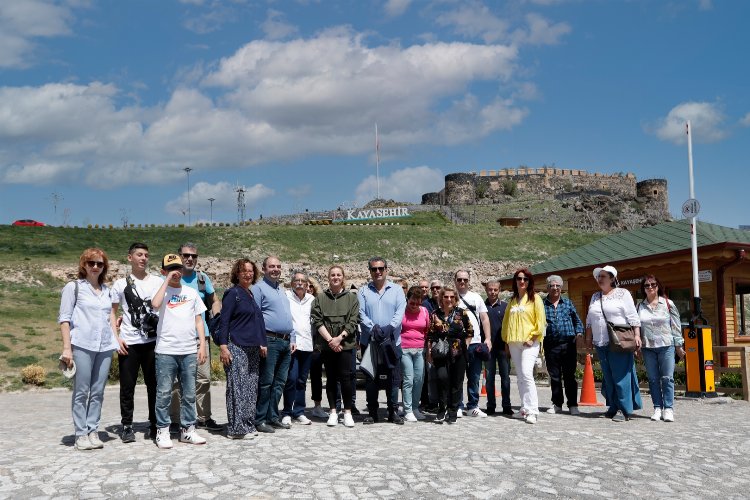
(522, 278)
(379, 269)
(650, 285)
(462, 280)
(435, 287)
(95, 263)
(189, 255)
(554, 286)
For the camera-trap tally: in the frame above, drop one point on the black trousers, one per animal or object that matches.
(450, 382)
(139, 357)
(316, 376)
(560, 354)
(338, 371)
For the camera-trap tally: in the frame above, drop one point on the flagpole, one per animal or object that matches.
(693, 220)
(377, 159)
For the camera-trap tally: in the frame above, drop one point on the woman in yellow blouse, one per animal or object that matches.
(524, 325)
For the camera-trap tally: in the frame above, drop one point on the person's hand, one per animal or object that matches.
(507, 349)
(292, 348)
(118, 323)
(680, 352)
(174, 274)
(202, 354)
(488, 343)
(225, 356)
(638, 342)
(263, 351)
(528, 343)
(67, 357)
(123, 347)
(334, 343)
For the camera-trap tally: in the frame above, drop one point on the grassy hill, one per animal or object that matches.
(29, 293)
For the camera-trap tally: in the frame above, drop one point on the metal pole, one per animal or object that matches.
(187, 171)
(377, 159)
(693, 221)
(211, 200)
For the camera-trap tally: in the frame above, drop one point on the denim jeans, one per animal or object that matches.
(500, 360)
(296, 383)
(169, 367)
(619, 381)
(473, 376)
(412, 367)
(659, 363)
(92, 369)
(274, 369)
(561, 357)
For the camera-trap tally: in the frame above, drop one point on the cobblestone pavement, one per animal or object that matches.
(703, 454)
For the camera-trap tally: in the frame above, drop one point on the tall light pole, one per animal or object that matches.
(211, 200)
(187, 171)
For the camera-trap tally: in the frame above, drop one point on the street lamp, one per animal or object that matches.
(187, 171)
(211, 200)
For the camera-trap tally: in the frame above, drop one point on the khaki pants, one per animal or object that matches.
(202, 391)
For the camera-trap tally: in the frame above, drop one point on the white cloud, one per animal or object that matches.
(224, 194)
(408, 184)
(395, 8)
(705, 4)
(275, 27)
(299, 191)
(745, 120)
(706, 123)
(476, 21)
(540, 31)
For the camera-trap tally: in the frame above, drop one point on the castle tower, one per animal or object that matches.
(459, 189)
(655, 190)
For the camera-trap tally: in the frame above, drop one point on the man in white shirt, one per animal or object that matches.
(136, 336)
(300, 303)
(477, 310)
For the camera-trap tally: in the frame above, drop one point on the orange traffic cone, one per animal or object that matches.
(588, 389)
(483, 392)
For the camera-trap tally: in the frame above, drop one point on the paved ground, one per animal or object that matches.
(705, 453)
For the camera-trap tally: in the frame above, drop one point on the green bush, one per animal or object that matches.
(510, 187)
(114, 369)
(730, 380)
(19, 361)
(4, 348)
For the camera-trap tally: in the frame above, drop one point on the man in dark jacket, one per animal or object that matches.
(498, 357)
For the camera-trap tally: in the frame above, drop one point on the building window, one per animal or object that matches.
(742, 308)
(682, 298)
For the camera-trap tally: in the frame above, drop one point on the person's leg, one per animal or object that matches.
(316, 377)
(148, 365)
(345, 378)
(353, 378)
(622, 369)
(515, 354)
(84, 360)
(651, 360)
(331, 363)
(528, 360)
(553, 355)
(442, 381)
(236, 374)
(473, 376)
(166, 367)
(666, 369)
(407, 368)
(99, 375)
(203, 387)
(280, 375)
(418, 360)
(424, 398)
(569, 364)
(456, 374)
(128, 365)
(371, 389)
(304, 358)
(251, 396)
(188, 367)
(503, 365)
(267, 366)
(607, 381)
(432, 388)
(290, 386)
(489, 383)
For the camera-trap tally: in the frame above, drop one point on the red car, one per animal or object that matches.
(28, 222)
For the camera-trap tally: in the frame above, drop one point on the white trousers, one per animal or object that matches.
(524, 359)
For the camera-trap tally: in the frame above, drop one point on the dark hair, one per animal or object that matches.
(234, 275)
(447, 288)
(137, 245)
(187, 244)
(376, 259)
(529, 287)
(659, 288)
(89, 254)
(415, 292)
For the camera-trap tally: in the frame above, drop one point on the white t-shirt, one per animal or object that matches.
(301, 320)
(475, 301)
(176, 333)
(146, 289)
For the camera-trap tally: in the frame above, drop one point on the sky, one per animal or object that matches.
(103, 104)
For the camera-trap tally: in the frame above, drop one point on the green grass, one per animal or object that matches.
(4, 348)
(21, 361)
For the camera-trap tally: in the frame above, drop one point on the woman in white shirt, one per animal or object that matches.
(620, 384)
(88, 341)
(661, 336)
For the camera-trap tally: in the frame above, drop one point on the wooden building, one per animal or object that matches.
(664, 251)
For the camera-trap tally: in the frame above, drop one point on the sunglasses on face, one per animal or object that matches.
(189, 255)
(462, 280)
(650, 285)
(95, 263)
(378, 269)
(436, 287)
(522, 278)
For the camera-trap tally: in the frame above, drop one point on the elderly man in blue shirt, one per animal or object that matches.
(271, 297)
(563, 328)
(381, 303)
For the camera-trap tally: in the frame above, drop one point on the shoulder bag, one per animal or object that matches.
(621, 337)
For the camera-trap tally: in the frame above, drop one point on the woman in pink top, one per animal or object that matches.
(414, 328)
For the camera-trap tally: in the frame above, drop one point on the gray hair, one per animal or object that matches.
(553, 278)
(377, 259)
(436, 283)
(187, 244)
(492, 282)
(303, 273)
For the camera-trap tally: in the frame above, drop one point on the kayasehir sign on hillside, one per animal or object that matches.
(377, 213)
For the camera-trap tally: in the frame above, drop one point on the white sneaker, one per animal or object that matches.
(319, 412)
(303, 420)
(348, 420)
(520, 414)
(83, 443)
(96, 443)
(286, 420)
(333, 420)
(419, 415)
(409, 417)
(657, 415)
(459, 413)
(555, 409)
(574, 410)
(163, 439)
(476, 412)
(531, 419)
(668, 415)
(190, 435)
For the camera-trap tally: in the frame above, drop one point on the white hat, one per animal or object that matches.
(67, 372)
(609, 269)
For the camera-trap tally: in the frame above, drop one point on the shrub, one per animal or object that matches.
(217, 370)
(33, 375)
(730, 380)
(4, 348)
(510, 187)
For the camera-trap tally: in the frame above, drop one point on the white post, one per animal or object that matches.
(377, 159)
(693, 220)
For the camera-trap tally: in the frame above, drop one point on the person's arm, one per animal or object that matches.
(632, 316)
(201, 339)
(363, 318)
(158, 299)
(115, 322)
(540, 320)
(398, 316)
(577, 323)
(485, 320)
(229, 302)
(67, 304)
(675, 323)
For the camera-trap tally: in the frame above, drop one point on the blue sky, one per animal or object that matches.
(103, 103)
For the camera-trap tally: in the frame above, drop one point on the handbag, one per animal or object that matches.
(440, 349)
(621, 337)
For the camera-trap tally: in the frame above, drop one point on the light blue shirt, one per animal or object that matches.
(88, 315)
(192, 282)
(381, 309)
(277, 315)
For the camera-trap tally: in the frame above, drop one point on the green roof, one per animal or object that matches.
(647, 241)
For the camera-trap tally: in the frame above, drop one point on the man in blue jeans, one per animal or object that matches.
(499, 359)
(276, 357)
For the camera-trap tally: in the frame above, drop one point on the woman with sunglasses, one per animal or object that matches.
(524, 325)
(414, 328)
(452, 324)
(613, 304)
(88, 343)
(661, 336)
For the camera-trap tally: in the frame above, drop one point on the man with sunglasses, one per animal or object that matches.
(200, 281)
(382, 303)
(564, 327)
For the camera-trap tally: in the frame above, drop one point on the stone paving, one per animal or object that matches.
(705, 453)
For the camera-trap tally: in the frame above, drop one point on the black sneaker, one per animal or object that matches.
(152, 432)
(355, 411)
(209, 425)
(395, 419)
(508, 411)
(368, 421)
(128, 436)
(490, 411)
(440, 418)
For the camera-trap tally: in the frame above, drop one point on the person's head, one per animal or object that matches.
(404, 285)
(461, 279)
(312, 286)
(94, 263)
(425, 286)
(554, 286)
(272, 268)
(523, 284)
(492, 287)
(414, 297)
(448, 298)
(336, 278)
(189, 253)
(378, 268)
(171, 267)
(435, 287)
(244, 270)
(606, 277)
(138, 256)
(299, 283)
(652, 287)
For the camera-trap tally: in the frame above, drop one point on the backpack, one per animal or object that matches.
(214, 322)
(202, 289)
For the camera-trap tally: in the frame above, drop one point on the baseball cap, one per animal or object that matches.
(171, 261)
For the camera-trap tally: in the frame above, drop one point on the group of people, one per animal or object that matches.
(426, 340)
